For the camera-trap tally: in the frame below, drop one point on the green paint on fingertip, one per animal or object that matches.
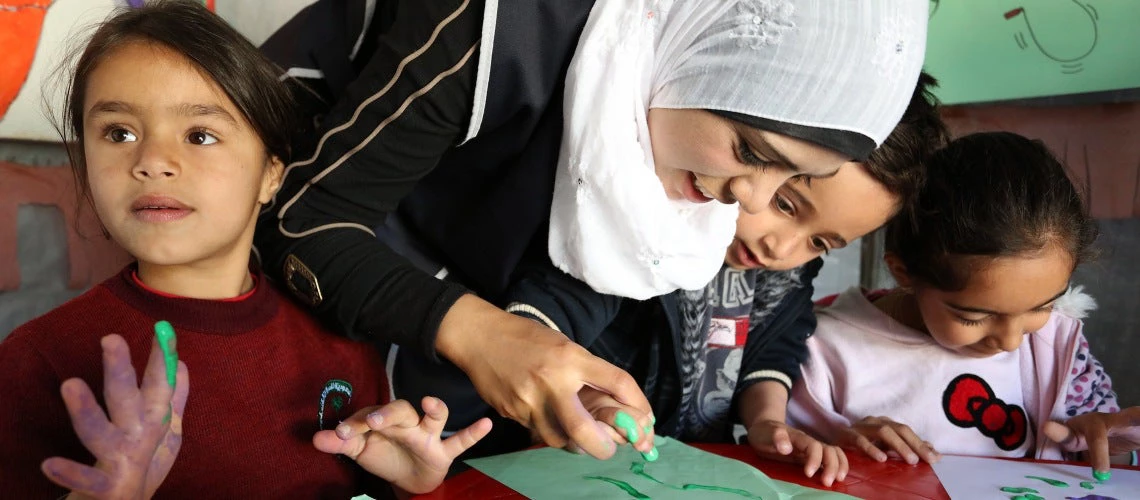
(164, 332)
(1011, 489)
(627, 424)
(650, 455)
(1050, 482)
(1088, 485)
(1102, 475)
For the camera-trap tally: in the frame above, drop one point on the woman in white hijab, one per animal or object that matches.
(717, 100)
(673, 111)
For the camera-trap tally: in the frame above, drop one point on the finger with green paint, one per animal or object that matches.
(623, 423)
(1102, 436)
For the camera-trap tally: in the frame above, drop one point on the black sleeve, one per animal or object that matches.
(547, 295)
(410, 104)
(775, 348)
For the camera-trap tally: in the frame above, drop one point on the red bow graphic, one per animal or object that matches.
(970, 403)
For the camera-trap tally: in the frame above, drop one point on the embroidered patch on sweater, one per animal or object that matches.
(335, 397)
(969, 402)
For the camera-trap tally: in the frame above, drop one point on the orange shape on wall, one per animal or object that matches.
(20, 25)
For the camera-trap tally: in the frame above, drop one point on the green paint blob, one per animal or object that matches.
(1050, 482)
(1011, 489)
(627, 424)
(164, 332)
(1027, 496)
(1102, 475)
(650, 455)
(621, 484)
(1086, 485)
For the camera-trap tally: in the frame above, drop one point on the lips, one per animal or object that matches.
(693, 191)
(746, 258)
(159, 209)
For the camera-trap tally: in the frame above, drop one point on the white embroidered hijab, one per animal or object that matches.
(840, 67)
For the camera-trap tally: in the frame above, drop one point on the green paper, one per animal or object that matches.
(996, 50)
(683, 472)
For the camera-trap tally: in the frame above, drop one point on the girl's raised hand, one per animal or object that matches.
(1100, 434)
(136, 447)
(873, 434)
(393, 442)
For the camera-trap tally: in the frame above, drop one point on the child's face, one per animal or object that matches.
(701, 156)
(1004, 299)
(804, 221)
(176, 172)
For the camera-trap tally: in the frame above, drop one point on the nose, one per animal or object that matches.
(1009, 335)
(156, 160)
(755, 191)
(778, 246)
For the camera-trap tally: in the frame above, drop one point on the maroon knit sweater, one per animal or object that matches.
(264, 376)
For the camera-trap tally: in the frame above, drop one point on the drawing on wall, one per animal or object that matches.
(1069, 51)
(21, 22)
(1020, 49)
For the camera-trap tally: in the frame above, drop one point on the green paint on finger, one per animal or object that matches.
(627, 424)
(1011, 489)
(164, 333)
(1102, 475)
(650, 455)
(1050, 482)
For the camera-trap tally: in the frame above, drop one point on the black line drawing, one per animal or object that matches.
(1070, 65)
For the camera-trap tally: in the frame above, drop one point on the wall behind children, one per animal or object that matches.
(50, 248)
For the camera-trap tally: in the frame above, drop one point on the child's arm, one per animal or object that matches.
(137, 446)
(393, 442)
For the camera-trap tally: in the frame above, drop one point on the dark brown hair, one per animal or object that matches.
(993, 194)
(900, 163)
(246, 76)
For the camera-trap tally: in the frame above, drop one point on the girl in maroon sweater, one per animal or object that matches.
(180, 130)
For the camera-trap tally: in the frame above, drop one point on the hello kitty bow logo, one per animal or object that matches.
(969, 402)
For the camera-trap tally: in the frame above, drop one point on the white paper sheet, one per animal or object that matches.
(983, 478)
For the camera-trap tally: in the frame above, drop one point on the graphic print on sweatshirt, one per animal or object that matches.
(969, 402)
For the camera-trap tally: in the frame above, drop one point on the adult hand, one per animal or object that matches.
(622, 423)
(393, 442)
(1101, 434)
(532, 374)
(775, 440)
(136, 448)
(873, 434)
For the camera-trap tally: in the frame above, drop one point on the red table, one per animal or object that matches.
(866, 479)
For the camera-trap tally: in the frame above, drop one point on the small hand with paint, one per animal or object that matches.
(136, 448)
(873, 434)
(1102, 435)
(622, 423)
(775, 440)
(393, 442)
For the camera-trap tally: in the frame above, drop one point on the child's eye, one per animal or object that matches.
(969, 322)
(783, 205)
(201, 138)
(820, 244)
(118, 134)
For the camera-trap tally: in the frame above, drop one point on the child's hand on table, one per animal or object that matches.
(1102, 435)
(775, 440)
(394, 443)
(874, 434)
(136, 448)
